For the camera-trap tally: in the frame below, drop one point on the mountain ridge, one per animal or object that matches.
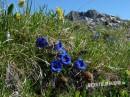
(93, 17)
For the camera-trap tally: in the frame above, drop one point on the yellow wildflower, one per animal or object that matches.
(21, 3)
(18, 16)
(60, 13)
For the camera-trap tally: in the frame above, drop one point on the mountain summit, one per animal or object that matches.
(93, 17)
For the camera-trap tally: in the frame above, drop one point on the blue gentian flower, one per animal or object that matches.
(41, 42)
(62, 51)
(80, 64)
(65, 59)
(58, 46)
(56, 66)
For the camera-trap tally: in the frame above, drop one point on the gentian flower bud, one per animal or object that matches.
(41, 42)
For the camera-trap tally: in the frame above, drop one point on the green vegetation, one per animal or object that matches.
(108, 53)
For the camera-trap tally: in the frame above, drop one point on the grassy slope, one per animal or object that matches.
(113, 55)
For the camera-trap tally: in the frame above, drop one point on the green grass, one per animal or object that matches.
(30, 62)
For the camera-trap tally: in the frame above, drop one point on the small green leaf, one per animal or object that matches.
(10, 9)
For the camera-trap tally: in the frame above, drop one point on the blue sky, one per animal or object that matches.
(119, 8)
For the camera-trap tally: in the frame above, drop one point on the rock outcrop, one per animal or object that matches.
(93, 17)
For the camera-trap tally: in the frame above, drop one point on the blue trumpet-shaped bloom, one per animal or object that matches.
(41, 42)
(80, 64)
(65, 59)
(62, 51)
(58, 46)
(56, 66)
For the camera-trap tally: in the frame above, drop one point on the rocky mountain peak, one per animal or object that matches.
(93, 17)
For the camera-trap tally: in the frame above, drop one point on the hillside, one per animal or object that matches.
(45, 54)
